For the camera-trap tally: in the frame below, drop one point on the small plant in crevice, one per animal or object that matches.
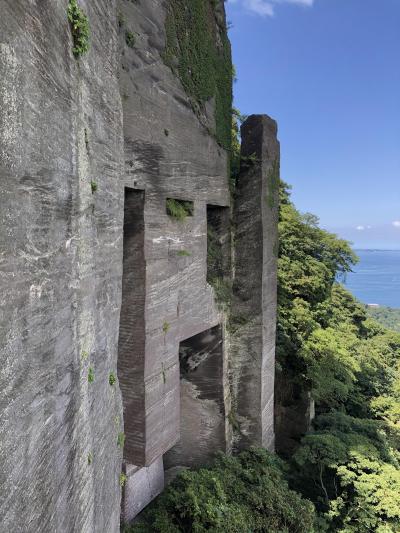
(79, 24)
(121, 19)
(237, 321)
(84, 355)
(121, 440)
(90, 458)
(166, 327)
(215, 258)
(91, 375)
(122, 480)
(233, 420)
(86, 140)
(130, 39)
(179, 209)
(184, 253)
(93, 186)
(112, 379)
(222, 291)
(249, 160)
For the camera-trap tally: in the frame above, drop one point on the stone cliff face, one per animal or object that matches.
(61, 268)
(120, 357)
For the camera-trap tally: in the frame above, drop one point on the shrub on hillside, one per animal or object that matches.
(246, 493)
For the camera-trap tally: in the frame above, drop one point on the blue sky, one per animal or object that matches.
(329, 72)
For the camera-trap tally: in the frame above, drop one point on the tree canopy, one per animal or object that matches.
(348, 464)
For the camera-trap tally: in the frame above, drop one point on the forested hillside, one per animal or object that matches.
(347, 465)
(387, 316)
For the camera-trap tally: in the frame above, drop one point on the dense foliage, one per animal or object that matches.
(246, 493)
(348, 464)
(199, 52)
(387, 316)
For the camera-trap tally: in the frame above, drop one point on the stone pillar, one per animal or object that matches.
(141, 487)
(253, 320)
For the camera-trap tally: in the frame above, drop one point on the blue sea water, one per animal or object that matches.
(376, 278)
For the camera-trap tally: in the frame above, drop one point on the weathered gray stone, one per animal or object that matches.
(254, 290)
(141, 487)
(60, 270)
(294, 413)
(203, 402)
(168, 154)
(101, 283)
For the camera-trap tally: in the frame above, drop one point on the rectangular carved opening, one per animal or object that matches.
(179, 209)
(202, 424)
(131, 343)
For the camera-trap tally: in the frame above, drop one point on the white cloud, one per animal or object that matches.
(396, 223)
(260, 7)
(360, 228)
(266, 7)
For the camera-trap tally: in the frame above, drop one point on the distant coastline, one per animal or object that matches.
(386, 316)
(376, 249)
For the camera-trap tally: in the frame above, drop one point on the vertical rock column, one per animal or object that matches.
(253, 321)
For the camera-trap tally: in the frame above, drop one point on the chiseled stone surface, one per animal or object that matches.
(204, 424)
(60, 270)
(294, 413)
(141, 487)
(63, 125)
(73, 260)
(255, 283)
(168, 154)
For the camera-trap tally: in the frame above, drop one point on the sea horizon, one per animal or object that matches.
(376, 249)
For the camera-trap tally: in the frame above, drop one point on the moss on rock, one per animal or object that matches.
(198, 51)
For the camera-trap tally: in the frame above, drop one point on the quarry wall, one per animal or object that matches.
(138, 290)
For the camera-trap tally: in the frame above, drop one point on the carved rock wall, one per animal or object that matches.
(101, 289)
(60, 270)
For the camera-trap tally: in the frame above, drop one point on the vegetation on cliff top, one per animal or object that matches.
(198, 51)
